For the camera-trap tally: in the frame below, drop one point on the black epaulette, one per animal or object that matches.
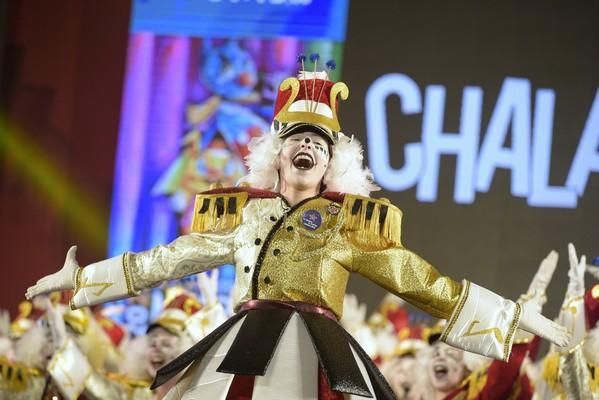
(372, 216)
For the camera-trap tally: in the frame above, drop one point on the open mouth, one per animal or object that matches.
(440, 371)
(303, 161)
(157, 362)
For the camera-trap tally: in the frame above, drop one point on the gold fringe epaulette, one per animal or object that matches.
(220, 212)
(14, 377)
(373, 217)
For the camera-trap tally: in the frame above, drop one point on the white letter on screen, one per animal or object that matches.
(543, 195)
(463, 144)
(377, 131)
(512, 108)
(586, 159)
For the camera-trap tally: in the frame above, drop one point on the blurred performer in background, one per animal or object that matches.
(304, 223)
(570, 372)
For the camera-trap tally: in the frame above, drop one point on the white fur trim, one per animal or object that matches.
(345, 173)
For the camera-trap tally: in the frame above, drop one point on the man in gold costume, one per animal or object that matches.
(298, 225)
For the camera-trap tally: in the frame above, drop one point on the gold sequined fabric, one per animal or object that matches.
(186, 255)
(304, 253)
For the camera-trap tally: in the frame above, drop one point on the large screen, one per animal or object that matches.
(481, 122)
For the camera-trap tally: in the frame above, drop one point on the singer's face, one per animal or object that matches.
(303, 160)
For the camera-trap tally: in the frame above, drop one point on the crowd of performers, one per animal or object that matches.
(296, 227)
(48, 345)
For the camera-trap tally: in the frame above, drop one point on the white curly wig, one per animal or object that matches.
(345, 173)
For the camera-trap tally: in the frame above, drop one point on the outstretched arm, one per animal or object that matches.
(126, 275)
(479, 320)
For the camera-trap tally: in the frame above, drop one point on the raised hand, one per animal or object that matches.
(576, 272)
(354, 313)
(539, 283)
(209, 287)
(61, 280)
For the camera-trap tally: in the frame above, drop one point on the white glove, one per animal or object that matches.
(61, 280)
(535, 296)
(572, 312)
(539, 283)
(209, 287)
(533, 322)
(576, 273)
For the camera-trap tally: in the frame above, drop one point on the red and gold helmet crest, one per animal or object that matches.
(310, 99)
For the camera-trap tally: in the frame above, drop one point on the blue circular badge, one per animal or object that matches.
(311, 219)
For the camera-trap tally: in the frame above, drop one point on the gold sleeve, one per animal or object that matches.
(186, 255)
(408, 276)
(373, 229)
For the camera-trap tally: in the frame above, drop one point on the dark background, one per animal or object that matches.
(62, 72)
(498, 241)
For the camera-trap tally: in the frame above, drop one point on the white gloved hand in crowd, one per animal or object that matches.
(572, 311)
(539, 283)
(209, 287)
(61, 280)
(354, 313)
(535, 295)
(576, 273)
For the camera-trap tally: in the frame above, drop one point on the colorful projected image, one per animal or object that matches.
(230, 100)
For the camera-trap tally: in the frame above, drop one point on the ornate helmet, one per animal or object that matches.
(310, 100)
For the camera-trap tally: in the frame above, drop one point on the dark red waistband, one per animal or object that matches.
(296, 305)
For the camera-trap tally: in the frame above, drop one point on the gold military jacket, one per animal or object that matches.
(304, 252)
